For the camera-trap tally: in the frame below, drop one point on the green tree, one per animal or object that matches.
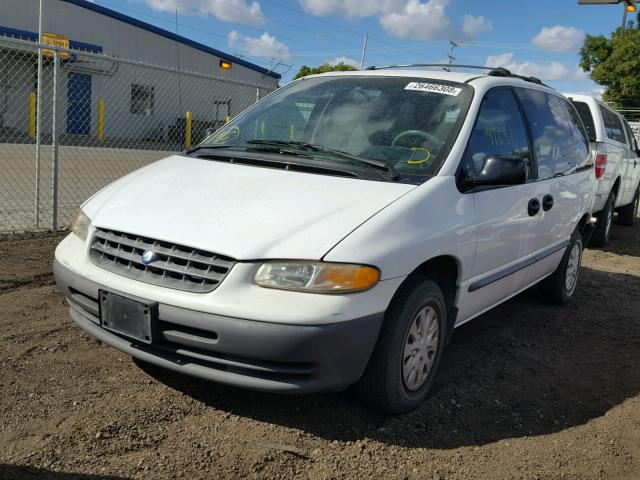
(325, 67)
(614, 62)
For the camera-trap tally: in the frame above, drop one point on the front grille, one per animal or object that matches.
(175, 266)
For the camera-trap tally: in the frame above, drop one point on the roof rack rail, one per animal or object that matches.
(493, 71)
(501, 70)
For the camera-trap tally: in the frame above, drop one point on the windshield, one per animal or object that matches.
(410, 124)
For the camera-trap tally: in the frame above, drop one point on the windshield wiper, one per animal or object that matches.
(208, 147)
(379, 164)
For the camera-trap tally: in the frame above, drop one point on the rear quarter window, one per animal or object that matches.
(613, 125)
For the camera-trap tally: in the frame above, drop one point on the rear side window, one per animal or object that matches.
(556, 144)
(632, 138)
(613, 125)
(587, 119)
(499, 130)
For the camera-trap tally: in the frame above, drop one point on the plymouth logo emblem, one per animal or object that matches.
(148, 256)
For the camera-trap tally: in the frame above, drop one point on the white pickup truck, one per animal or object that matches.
(616, 162)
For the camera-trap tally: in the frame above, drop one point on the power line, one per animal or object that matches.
(201, 30)
(291, 39)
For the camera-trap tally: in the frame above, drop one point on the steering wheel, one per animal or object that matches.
(430, 138)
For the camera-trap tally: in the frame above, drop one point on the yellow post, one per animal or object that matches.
(187, 135)
(100, 133)
(32, 114)
(228, 118)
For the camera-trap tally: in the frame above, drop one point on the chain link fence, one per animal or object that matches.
(98, 118)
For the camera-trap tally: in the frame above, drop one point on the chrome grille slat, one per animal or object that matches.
(177, 266)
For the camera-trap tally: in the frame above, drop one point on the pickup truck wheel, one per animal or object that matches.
(602, 233)
(627, 215)
(559, 287)
(408, 351)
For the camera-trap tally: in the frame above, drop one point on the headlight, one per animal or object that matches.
(80, 224)
(317, 277)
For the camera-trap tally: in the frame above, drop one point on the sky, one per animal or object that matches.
(540, 38)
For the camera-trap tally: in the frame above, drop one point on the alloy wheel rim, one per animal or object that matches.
(420, 348)
(573, 267)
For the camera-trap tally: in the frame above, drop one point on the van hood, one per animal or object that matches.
(241, 211)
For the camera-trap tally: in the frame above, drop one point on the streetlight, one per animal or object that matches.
(629, 7)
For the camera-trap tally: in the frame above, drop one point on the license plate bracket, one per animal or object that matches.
(131, 318)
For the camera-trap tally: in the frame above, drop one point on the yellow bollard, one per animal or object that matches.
(32, 114)
(187, 135)
(228, 118)
(100, 132)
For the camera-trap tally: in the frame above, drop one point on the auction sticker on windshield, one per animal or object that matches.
(433, 87)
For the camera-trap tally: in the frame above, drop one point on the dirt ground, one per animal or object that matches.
(527, 391)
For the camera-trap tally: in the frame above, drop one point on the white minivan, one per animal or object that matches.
(617, 165)
(335, 233)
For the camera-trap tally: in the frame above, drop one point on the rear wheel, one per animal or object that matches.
(404, 361)
(627, 215)
(559, 287)
(602, 233)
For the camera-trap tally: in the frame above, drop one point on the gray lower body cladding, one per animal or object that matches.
(239, 352)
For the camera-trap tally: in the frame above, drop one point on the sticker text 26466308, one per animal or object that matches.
(433, 87)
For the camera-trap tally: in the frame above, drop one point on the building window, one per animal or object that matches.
(222, 109)
(142, 100)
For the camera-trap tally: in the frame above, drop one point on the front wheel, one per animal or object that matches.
(627, 215)
(559, 287)
(404, 361)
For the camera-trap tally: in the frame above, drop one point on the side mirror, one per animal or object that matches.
(208, 132)
(501, 170)
(638, 152)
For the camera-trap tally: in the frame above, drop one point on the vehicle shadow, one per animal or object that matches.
(624, 240)
(523, 369)
(19, 472)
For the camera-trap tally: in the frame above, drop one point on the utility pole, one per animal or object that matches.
(629, 7)
(624, 18)
(364, 51)
(450, 54)
(38, 117)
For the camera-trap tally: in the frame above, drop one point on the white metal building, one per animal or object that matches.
(138, 100)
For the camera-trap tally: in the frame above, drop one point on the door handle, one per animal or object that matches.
(533, 207)
(547, 202)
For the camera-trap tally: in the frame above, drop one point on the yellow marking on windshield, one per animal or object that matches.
(225, 136)
(416, 161)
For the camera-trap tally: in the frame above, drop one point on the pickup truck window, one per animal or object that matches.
(632, 138)
(613, 125)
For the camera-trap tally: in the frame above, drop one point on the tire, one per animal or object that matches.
(559, 287)
(602, 233)
(627, 214)
(392, 383)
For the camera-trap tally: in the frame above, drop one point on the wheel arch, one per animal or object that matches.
(444, 270)
(616, 187)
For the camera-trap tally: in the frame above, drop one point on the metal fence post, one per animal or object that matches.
(85, 157)
(54, 143)
(38, 118)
